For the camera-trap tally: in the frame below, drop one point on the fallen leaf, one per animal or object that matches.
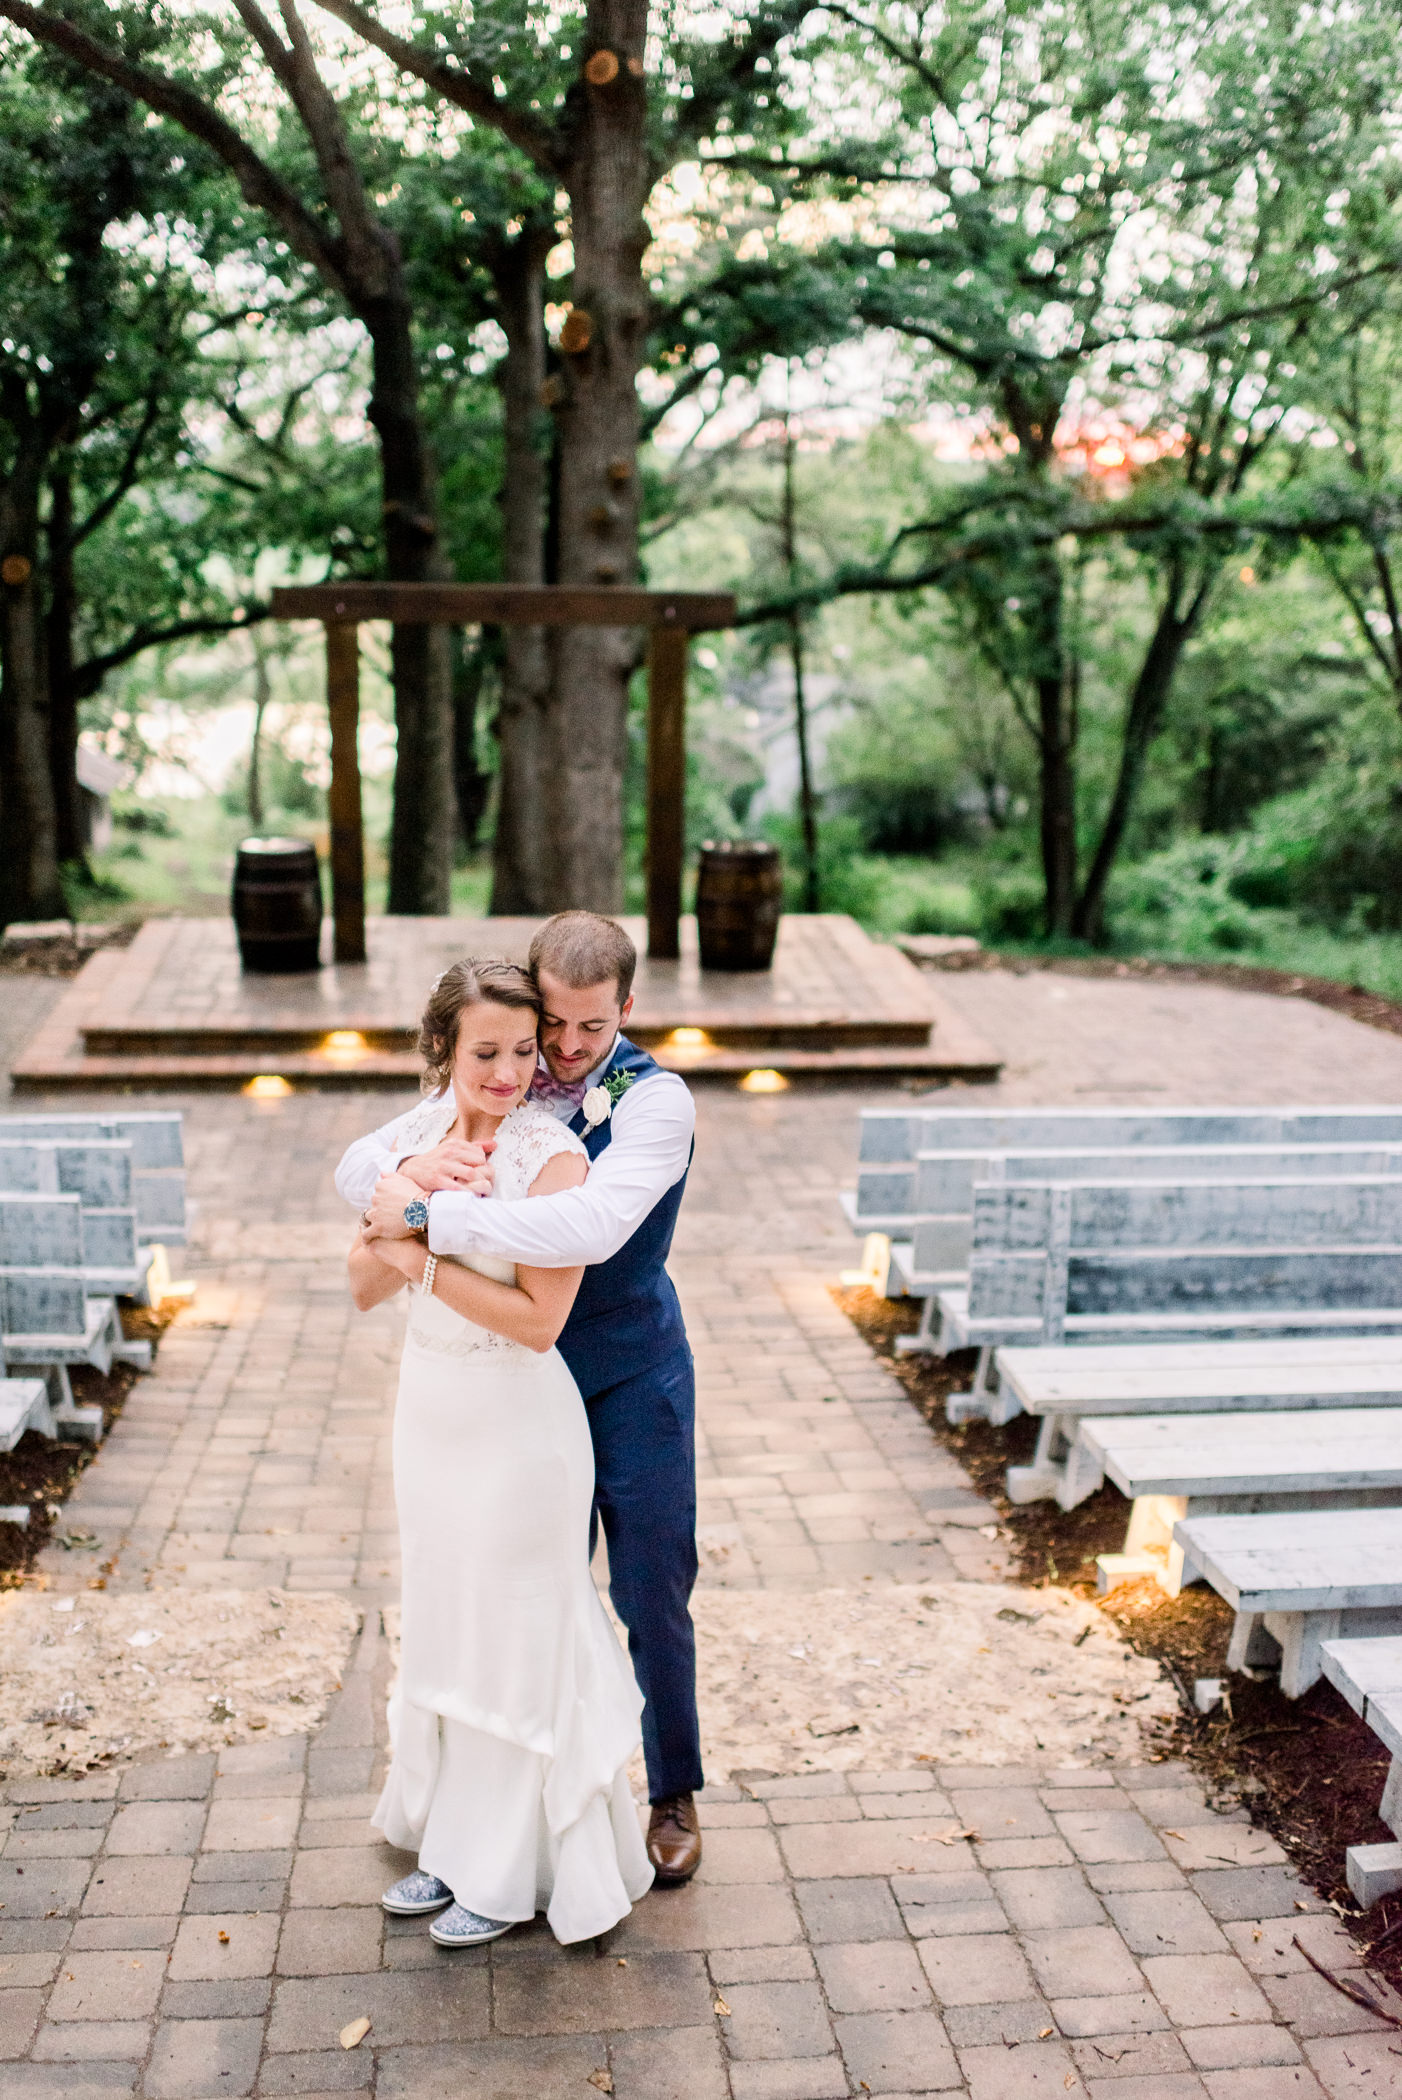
(223, 1939)
(354, 2032)
(1043, 2032)
(622, 1961)
(602, 2081)
(721, 2007)
(1176, 1834)
(944, 1837)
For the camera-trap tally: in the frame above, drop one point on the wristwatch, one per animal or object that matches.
(416, 1214)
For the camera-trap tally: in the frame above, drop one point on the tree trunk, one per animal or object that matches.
(608, 183)
(424, 824)
(1143, 718)
(29, 881)
(1058, 814)
(69, 831)
(262, 693)
(472, 785)
(1056, 743)
(520, 882)
(807, 801)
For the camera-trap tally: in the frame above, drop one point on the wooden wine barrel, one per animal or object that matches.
(739, 896)
(277, 904)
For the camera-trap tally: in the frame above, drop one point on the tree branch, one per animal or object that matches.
(456, 84)
(171, 98)
(88, 676)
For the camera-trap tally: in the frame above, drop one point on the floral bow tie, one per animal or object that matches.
(545, 1087)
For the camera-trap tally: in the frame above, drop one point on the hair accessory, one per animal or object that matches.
(430, 1271)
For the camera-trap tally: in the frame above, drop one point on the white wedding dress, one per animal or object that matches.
(516, 1712)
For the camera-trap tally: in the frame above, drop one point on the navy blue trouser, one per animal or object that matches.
(644, 1432)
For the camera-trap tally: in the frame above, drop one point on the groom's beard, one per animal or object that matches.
(570, 1070)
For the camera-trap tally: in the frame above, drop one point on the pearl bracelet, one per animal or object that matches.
(430, 1271)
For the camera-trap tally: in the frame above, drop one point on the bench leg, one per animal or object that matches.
(1300, 1634)
(981, 1402)
(1390, 1808)
(1251, 1646)
(1373, 1871)
(1149, 1548)
(925, 1341)
(1041, 1480)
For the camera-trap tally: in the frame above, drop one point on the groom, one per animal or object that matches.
(624, 1341)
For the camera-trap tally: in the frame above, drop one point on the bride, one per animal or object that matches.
(516, 1712)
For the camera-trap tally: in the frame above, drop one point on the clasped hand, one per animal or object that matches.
(454, 1164)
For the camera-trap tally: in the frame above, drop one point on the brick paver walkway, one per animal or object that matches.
(1095, 1932)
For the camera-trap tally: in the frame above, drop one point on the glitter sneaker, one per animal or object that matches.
(459, 1927)
(415, 1895)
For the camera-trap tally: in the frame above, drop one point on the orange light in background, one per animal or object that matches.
(764, 1081)
(1110, 454)
(1248, 574)
(268, 1086)
(693, 1042)
(344, 1042)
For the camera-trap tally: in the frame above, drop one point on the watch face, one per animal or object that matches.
(416, 1214)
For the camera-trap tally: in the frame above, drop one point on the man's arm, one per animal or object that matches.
(651, 1144)
(367, 1159)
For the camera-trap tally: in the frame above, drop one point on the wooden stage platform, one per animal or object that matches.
(175, 1010)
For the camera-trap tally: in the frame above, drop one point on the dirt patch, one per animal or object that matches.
(65, 954)
(91, 1679)
(41, 1474)
(1354, 1001)
(885, 1677)
(1307, 1770)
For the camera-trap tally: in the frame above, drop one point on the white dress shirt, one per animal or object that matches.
(653, 1126)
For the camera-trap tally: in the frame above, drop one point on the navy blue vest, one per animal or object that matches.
(626, 1316)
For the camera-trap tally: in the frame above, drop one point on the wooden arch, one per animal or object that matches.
(671, 618)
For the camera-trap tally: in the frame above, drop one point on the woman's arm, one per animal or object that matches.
(372, 1279)
(533, 1309)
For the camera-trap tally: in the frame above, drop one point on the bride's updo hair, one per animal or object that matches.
(467, 983)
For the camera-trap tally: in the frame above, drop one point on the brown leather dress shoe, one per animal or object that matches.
(674, 1840)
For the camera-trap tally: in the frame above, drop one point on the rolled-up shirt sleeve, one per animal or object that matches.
(647, 1154)
(367, 1159)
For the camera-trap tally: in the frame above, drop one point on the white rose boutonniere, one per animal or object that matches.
(600, 1101)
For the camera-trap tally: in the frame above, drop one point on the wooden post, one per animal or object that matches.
(666, 788)
(343, 800)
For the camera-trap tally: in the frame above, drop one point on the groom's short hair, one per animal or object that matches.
(581, 948)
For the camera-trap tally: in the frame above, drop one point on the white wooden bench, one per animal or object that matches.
(1064, 1385)
(1172, 1261)
(24, 1404)
(1174, 1466)
(930, 1246)
(43, 1231)
(900, 1148)
(50, 1153)
(1298, 1579)
(1369, 1674)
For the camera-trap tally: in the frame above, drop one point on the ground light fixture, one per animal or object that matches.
(344, 1042)
(764, 1081)
(268, 1086)
(688, 1042)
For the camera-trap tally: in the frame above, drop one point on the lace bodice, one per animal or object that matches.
(526, 1139)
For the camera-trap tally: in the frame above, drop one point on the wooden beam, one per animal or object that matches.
(666, 789)
(504, 605)
(343, 798)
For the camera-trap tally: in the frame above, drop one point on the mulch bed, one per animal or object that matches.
(1307, 1770)
(1355, 1001)
(61, 957)
(41, 1474)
